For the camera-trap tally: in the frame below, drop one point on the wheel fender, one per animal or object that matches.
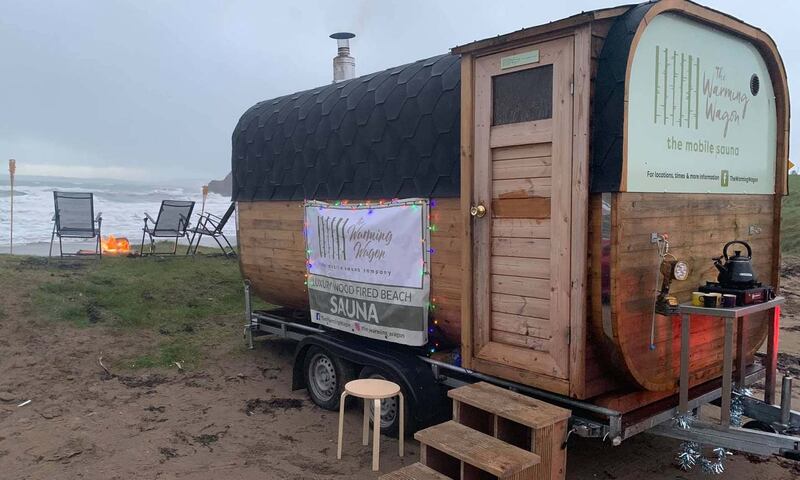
(298, 381)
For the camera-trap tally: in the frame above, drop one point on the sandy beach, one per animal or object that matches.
(234, 416)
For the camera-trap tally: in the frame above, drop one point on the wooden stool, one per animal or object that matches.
(376, 390)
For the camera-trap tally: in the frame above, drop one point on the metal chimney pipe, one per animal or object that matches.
(344, 66)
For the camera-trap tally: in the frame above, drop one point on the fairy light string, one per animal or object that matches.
(429, 228)
(690, 454)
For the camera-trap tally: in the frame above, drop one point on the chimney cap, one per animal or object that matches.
(342, 35)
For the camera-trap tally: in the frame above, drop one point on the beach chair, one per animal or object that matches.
(74, 218)
(211, 225)
(172, 222)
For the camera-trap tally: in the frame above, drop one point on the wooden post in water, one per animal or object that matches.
(12, 169)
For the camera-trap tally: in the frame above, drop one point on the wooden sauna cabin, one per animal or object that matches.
(550, 155)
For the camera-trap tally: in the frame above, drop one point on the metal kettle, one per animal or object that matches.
(737, 269)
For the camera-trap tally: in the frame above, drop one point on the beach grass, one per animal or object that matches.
(183, 304)
(790, 219)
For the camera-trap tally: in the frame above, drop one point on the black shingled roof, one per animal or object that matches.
(391, 134)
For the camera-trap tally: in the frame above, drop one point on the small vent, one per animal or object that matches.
(755, 84)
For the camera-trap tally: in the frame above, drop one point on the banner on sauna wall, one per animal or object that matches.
(368, 268)
(701, 112)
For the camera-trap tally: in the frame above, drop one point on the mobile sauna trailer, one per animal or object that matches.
(551, 162)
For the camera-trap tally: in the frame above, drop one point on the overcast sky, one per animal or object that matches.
(152, 90)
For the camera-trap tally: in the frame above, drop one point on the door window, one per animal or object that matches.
(522, 96)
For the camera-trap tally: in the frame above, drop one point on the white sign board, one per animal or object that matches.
(368, 268)
(701, 112)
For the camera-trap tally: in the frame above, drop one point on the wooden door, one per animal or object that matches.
(521, 246)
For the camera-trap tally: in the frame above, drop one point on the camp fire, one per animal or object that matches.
(116, 246)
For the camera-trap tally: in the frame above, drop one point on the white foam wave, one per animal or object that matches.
(122, 206)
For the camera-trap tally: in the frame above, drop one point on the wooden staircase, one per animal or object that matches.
(495, 433)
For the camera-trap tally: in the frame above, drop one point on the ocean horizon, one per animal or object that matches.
(122, 204)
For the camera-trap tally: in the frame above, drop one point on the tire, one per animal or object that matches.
(325, 375)
(760, 426)
(390, 409)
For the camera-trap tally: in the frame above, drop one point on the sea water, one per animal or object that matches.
(122, 204)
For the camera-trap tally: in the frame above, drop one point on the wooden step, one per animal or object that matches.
(510, 405)
(415, 471)
(516, 419)
(477, 449)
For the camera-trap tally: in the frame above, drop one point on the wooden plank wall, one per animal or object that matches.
(729, 218)
(579, 213)
(600, 374)
(272, 248)
(588, 372)
(273, 257)
(698, 226)
(520, 245)
(521, 321)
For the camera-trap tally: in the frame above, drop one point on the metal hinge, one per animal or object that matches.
(572, 88)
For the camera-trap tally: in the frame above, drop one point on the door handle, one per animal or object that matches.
(478, 210)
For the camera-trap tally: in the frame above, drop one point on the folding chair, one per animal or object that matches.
(212, 226)
(172, 222)
(74, 218)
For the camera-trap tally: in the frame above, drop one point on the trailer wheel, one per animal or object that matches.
(390, 408)
(760, 426)
(325, 376)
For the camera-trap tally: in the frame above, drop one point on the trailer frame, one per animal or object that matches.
(587, 420)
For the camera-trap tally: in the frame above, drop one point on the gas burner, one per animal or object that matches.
(749, 295)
